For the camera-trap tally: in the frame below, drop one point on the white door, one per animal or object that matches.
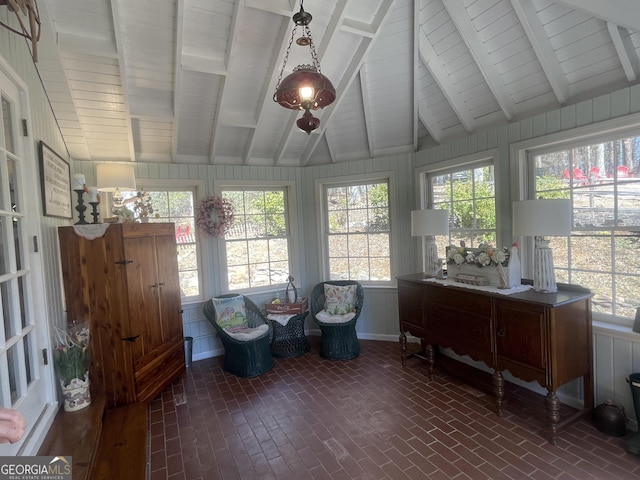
(25, 382)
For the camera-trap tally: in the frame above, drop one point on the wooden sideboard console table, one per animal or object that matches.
(542, 337)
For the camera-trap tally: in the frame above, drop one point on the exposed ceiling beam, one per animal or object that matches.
(625, 13)
(430, 59)
(625, 49)
(177, 78)
(415, 54)
(429, 121)
(51, 51)
(279, 7)
(366, 108)
(267, 96)
(198, 63)
(238, 11)
(526, 12)
(351, 73)
(115, 12)
(70, 42)
(472, 40)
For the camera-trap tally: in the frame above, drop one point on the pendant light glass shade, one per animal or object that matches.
(305, 89)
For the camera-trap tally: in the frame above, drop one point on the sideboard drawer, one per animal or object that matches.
(461, 321)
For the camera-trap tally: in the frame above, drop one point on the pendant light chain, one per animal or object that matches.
(284, 63)
(312, 47)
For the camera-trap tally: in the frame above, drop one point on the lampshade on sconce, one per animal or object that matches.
(428, 223)
(537, 218)
(306, 88)
(115, 177)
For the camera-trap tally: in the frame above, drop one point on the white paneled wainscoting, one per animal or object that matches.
(616, 350)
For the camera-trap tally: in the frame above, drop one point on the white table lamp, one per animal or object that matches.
(537, 218)
(114, 178)
(428, 223)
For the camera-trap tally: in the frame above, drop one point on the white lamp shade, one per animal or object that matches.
(115, 175)
(542, 217)
(429, 222)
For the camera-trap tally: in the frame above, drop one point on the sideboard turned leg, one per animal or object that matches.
(429, 354)
(553, 414)
(403, 348)
(498, 390)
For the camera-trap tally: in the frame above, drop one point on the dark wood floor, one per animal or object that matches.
(368, 418)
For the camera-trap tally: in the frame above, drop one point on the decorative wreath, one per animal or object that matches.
(214, 216)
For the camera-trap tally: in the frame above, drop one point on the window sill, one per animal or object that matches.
(616, 331)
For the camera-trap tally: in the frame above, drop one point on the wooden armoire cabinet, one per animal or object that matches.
(125, 284)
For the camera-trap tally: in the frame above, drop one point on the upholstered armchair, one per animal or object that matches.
(244, 332)
(335, 307)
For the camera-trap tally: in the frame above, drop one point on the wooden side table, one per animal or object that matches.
(289, 340)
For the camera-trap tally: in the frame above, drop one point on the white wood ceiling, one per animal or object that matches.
(192, 81)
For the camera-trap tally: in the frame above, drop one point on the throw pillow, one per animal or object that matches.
(339, 299)
(231, 314)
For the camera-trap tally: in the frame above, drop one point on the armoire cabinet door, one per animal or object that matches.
(155, 322)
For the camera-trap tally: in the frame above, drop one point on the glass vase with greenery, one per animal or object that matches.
(71, 354)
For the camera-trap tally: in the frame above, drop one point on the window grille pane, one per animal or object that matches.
(602, 181)
(257, 246)
(358, 232)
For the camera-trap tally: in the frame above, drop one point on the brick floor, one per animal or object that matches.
(367, 418)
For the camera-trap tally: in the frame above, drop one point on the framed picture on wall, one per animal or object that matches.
(56, 183)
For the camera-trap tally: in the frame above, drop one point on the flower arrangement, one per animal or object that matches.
(71, 354)
(485, 255)
(215, 216)
(142, 206)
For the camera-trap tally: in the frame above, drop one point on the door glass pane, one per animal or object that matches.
(27, 342)
(14, 373)
(22, 294)
(5, 292)
(4, 246)
(7, 121)
(13, 184)
(18, 242)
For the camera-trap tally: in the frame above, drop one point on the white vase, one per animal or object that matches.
(77, 394)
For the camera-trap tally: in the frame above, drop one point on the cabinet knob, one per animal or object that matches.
(501, 332)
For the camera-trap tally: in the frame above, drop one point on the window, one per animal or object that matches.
(176, 206)
(601, 178)
(257, 246)
(358, 231)
(469, 196)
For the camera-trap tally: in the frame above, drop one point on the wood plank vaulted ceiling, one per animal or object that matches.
(192, 81)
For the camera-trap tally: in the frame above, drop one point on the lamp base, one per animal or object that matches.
(544, 275)
(431, 261)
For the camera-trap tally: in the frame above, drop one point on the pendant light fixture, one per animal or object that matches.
(306, 88)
